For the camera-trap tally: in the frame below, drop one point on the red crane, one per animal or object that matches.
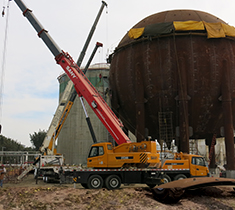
(81, 83)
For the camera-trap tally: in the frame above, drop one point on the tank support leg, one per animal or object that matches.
(140, 113)
(228, 117)
(183, 109)
(209, 143)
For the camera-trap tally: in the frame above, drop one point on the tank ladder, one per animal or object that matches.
(165, 127)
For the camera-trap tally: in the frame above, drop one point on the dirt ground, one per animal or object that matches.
(27, 194)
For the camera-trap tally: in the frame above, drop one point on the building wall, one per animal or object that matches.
(75, 139)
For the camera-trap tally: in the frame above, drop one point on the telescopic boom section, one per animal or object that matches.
(81, 83)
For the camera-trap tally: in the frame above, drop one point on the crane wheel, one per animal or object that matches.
(166, 178)
(180, 176)
(112, 182)
(95, 182)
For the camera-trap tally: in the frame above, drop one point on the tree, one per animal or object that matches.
(37, 138)
(10, 144)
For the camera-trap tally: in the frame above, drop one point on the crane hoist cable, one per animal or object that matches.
(4, 56)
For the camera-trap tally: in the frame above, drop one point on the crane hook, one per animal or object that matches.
(3, 12)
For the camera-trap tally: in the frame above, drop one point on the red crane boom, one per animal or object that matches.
(81, 83)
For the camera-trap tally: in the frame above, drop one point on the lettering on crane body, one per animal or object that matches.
(70, 71)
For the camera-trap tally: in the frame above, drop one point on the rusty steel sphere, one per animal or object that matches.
(156, 74)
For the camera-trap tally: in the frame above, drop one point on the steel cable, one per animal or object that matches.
(4, 58)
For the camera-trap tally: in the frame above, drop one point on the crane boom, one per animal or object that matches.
(81, 83)
(83, 52)
(63, 111)
(68, 98)
(53, 128)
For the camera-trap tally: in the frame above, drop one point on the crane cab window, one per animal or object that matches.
(101, 150)
(96, 151)
(198, 161)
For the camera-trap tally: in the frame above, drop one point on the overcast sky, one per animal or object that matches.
(30, 93)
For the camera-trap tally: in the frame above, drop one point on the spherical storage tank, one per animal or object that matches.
(169, 71)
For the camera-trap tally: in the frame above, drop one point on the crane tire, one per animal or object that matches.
(166, 178)
(180, 176)
(112, 182)
(95, 182)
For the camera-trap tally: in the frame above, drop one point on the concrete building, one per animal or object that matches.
(220, 152)
(75, 139)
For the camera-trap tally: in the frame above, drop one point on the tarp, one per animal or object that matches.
(151, 30)
(214, 30)
(188, 25)
(135, 33)
(228, 30)
(158, 29)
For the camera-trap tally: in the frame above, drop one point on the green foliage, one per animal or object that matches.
(37, 139)
(8, 144)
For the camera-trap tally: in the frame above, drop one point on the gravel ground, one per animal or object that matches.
(26, 194)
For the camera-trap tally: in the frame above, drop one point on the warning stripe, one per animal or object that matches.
(143, 157)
